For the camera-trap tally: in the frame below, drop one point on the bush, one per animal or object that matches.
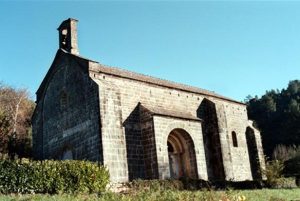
(25, 176)
(274, 173)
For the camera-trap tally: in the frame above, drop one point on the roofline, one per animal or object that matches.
(170, 87)
(67, 20)
(51, 70)
(147, 81)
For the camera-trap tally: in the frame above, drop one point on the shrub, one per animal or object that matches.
(25, 176)
(274, 173)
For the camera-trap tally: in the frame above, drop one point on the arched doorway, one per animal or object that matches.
(253, 154)
(67, 155)
(182, 157)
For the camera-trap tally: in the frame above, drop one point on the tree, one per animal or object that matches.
(4, 130)
(277, 115)
(16, 110)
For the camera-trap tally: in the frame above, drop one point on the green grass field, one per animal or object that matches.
(170, 195)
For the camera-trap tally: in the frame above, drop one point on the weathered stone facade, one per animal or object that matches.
(140, 126)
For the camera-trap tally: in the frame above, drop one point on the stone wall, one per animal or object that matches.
(112, 131)
(148, 133)
(37, 132)
(231, 116)
(235, 117)
(114, 120)
(69, 109)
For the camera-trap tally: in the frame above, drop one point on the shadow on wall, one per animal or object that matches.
(253, 154)
(134, 146)
(211, 137)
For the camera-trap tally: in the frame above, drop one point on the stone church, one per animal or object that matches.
(140, 126)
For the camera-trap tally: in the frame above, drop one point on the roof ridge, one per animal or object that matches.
(153, 77)
(117, 71)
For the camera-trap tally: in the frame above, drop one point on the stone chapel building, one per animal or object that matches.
(137, 125)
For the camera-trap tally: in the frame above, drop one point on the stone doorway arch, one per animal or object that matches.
(181, 153)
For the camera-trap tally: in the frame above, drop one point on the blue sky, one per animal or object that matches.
(235, 48)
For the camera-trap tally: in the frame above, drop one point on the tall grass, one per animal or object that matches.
(171, 195)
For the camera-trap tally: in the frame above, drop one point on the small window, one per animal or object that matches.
(64, 34)
(234, 139)
(63, 100)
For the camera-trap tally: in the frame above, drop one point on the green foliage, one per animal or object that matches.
(155, 185)
(274, 173)
(24, 176)
(277, 115)
(232, 195)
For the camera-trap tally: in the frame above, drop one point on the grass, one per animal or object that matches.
(170, 195)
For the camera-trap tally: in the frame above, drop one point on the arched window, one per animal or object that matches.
(234, 139)
(64, 38)
(63, 99)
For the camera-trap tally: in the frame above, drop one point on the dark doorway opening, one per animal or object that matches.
(182, 157)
